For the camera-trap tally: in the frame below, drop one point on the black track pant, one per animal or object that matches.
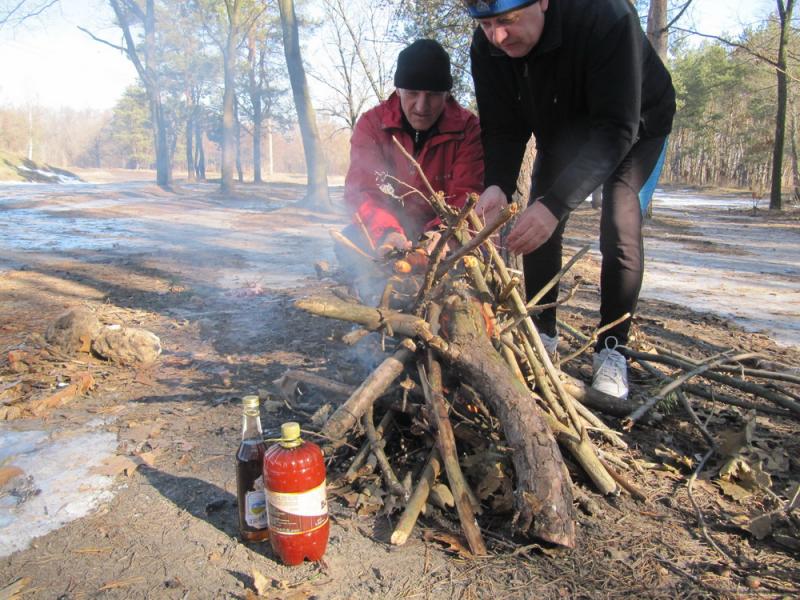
(620, 242)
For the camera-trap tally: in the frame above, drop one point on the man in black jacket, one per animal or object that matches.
(581, 77)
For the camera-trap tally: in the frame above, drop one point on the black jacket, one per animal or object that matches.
(589, 89)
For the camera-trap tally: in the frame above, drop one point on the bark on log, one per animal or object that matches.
(341, 421)
(543, 498)
(446, 443)
(374, 319)
(590, 397)
(411, 513)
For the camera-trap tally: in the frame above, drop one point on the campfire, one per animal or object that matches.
(469, 395)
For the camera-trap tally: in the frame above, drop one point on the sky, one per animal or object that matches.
(50, 62)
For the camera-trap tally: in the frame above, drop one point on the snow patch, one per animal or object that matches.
(57, 485)
(727, 263)
(53, 176)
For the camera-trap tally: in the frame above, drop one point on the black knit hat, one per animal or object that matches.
(424, 65)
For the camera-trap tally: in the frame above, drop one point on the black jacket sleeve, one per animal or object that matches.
(613, 83)
(504, 137)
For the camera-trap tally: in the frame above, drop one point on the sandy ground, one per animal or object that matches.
(215, 278)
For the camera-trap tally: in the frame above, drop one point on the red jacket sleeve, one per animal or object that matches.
(467, 170)
(361, 192)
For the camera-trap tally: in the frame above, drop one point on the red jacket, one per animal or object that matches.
(452, 160)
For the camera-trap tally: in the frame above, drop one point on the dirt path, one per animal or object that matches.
(215, 279)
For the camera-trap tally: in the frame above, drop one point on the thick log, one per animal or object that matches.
(588, 396)
(348, 414)
(374, 319)
(543, 498)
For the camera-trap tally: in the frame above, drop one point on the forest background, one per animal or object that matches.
(241, 90)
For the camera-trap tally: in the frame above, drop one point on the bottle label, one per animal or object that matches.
(255, 506)
(301, 512)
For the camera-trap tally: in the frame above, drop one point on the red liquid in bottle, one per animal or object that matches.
(250, 494)
(294, 478)
(249, 484)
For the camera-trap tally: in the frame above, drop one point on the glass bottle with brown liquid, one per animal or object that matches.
(249, 477)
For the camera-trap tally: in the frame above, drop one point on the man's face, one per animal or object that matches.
(422, 108)
(516, 32)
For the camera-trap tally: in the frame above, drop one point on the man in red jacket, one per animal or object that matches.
(443, 138)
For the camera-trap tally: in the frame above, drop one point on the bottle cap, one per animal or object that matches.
(250, 401)
(290, 432)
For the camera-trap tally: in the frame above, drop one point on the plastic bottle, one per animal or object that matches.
(249, 475)
(297, 508)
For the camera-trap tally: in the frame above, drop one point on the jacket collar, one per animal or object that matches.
(453, 117)
(551, 34)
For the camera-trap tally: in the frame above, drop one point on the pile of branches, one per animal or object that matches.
(466, 341)
(470, 387)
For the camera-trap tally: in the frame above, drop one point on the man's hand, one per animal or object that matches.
(492, 201)
(394, 241)
(533, 228)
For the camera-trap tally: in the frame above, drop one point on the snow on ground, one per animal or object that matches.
(53, 176)
(57, 485)
(727, 263)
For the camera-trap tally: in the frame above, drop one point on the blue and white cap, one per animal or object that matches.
(480, 9)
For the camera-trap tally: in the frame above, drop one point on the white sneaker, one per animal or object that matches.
(610, 371)
(550, 343)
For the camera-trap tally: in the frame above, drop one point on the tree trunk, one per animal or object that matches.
(257, 145)
(795, 164)
(147, 75)
(200, 154)
(317, 192)
(238, 131)
(228, 128)
(775, 196)
(255, 102)
(163, 168)
(657, 27)
(270, 157)
(190, 174)
(233, 9)
(658, 35)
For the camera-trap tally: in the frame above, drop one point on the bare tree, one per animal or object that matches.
(264, 85)
(317, 188)
(785, 8)
(227, 24)
(131, 14)
(358, 38)
(16, 12)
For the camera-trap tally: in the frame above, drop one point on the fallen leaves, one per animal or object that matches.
(454, 544)
(8, 473)
(276, 589)
(81, 383)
